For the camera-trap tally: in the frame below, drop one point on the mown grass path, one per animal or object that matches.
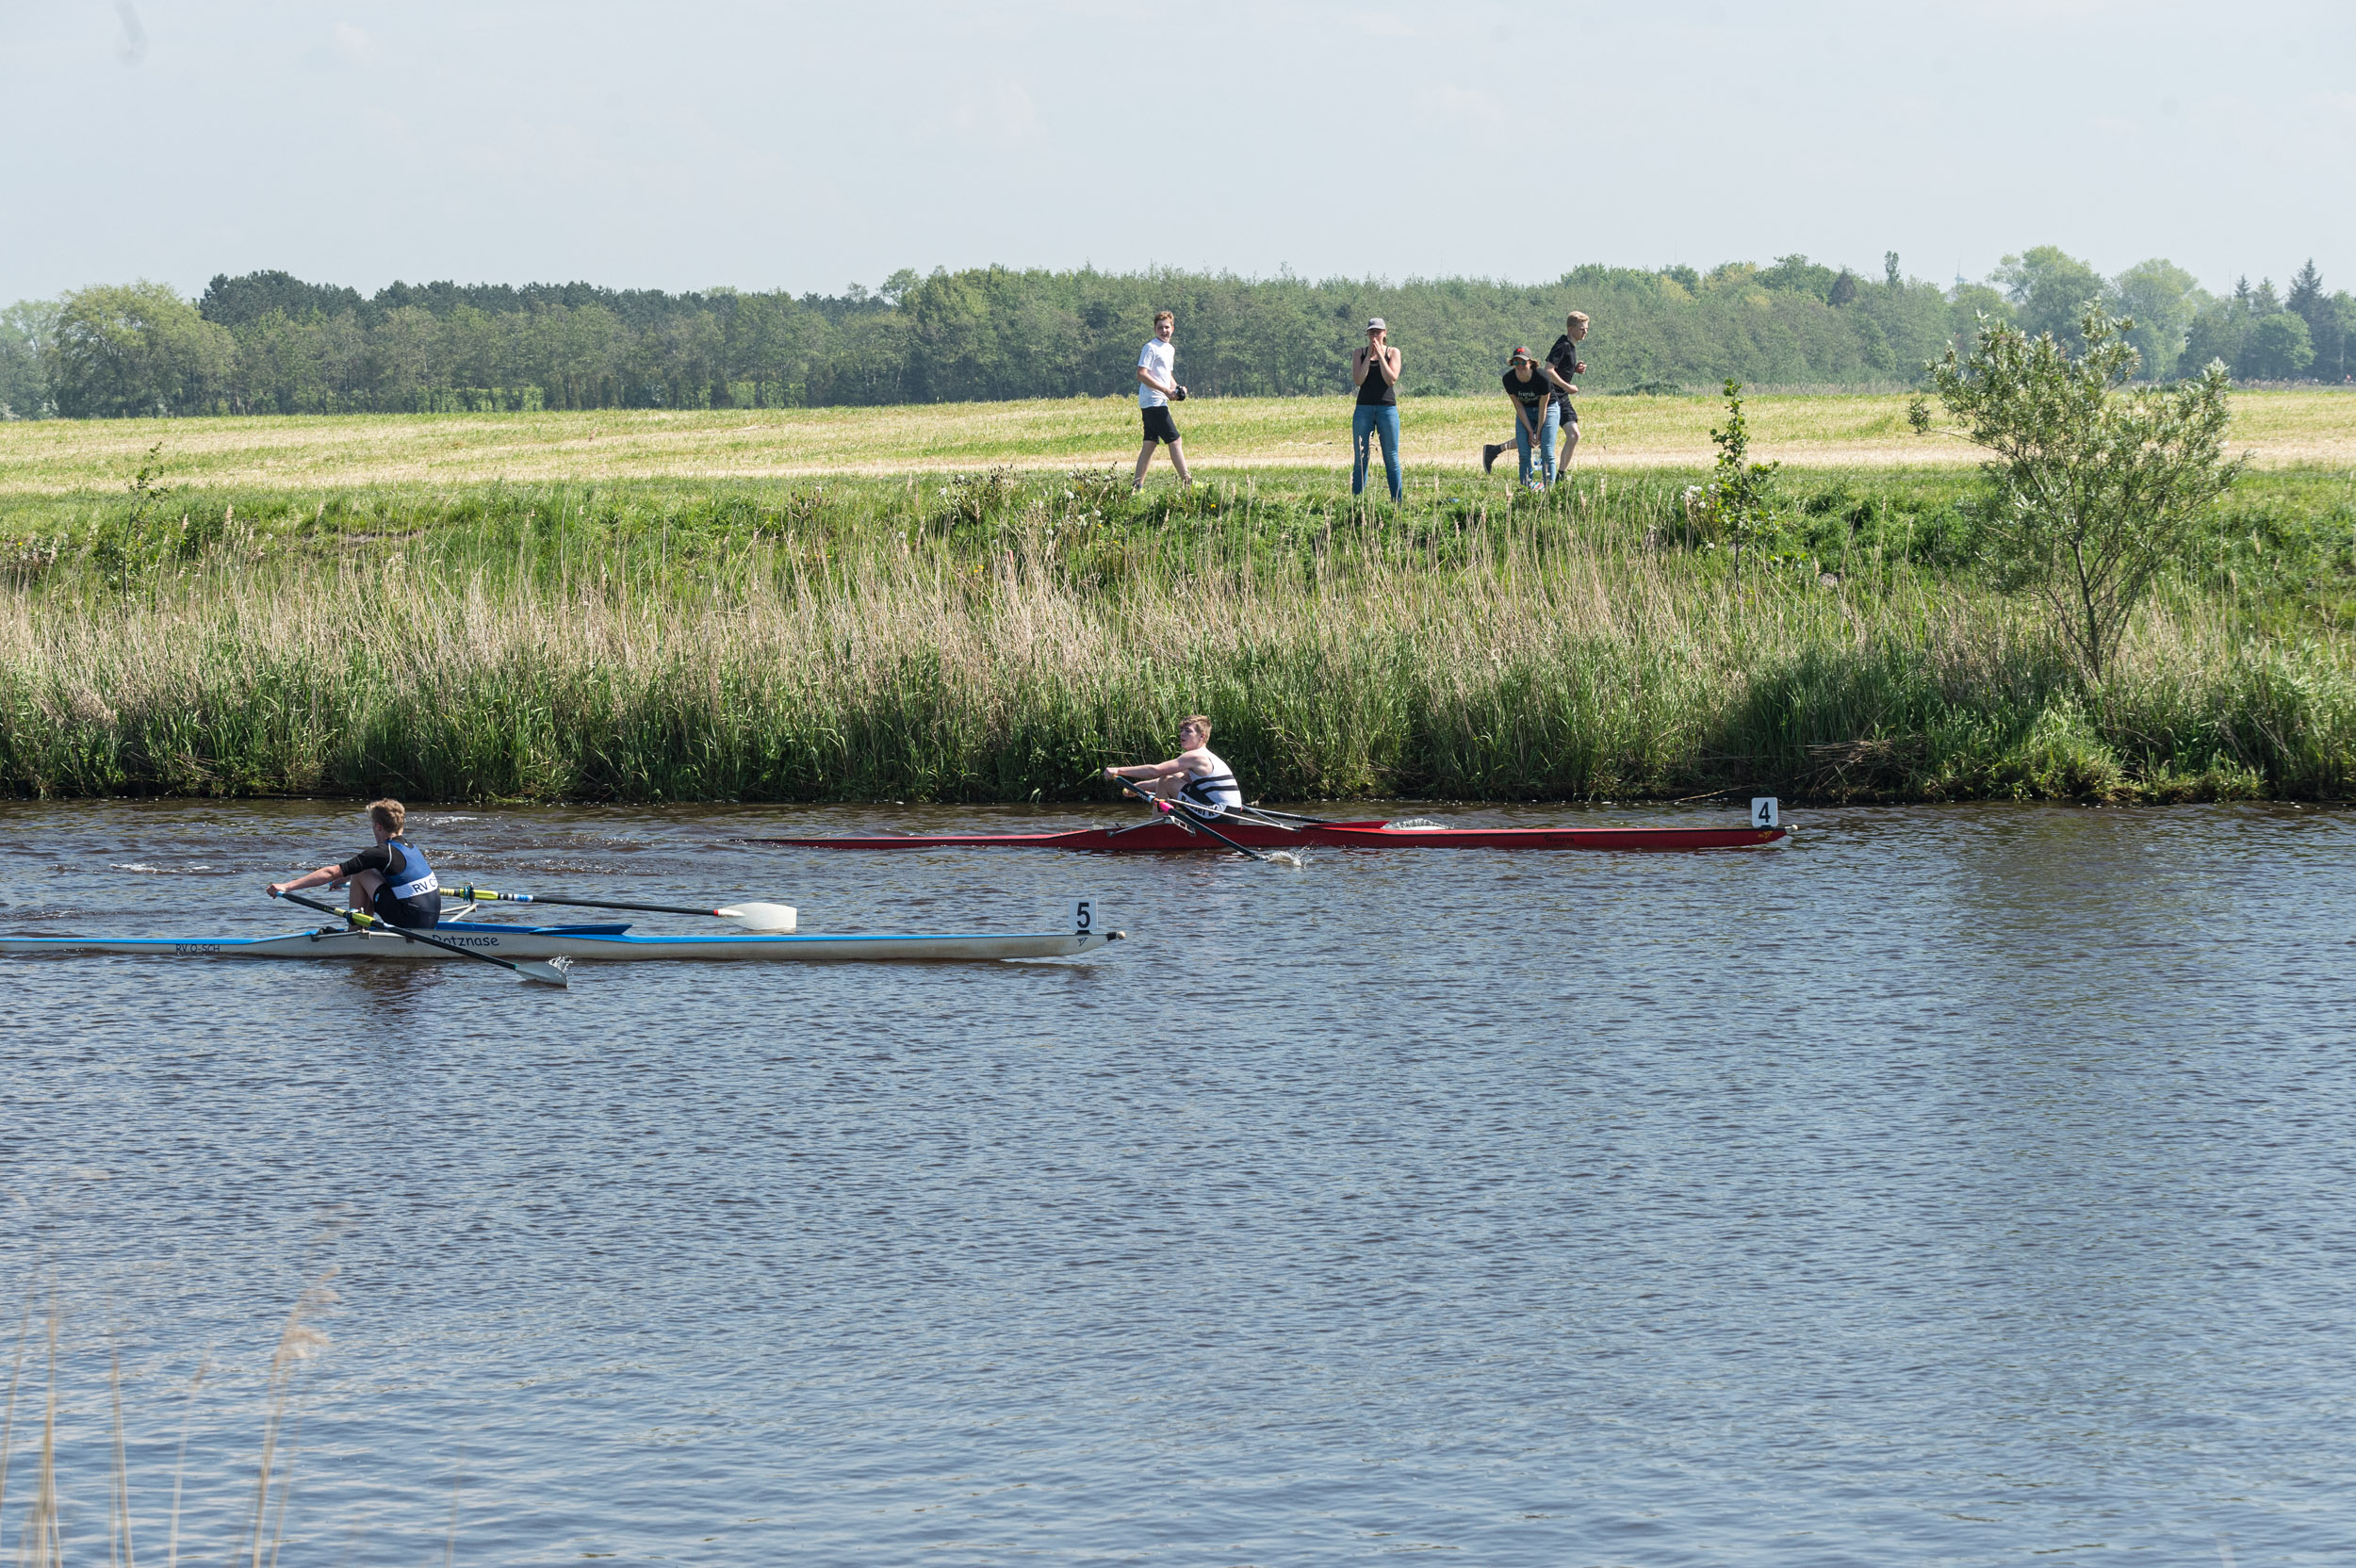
(1442, 435)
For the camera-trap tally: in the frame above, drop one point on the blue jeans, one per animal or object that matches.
(1371, 419)
(1546, 442)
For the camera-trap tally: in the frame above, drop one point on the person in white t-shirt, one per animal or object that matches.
(1157, 388)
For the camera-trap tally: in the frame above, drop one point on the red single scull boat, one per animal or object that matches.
(1165, 834)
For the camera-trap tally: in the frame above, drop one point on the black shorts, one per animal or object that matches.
(1570, 415)
(1159, 426)
(421, 913)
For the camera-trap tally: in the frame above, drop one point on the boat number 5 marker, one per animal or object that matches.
(1083, 916)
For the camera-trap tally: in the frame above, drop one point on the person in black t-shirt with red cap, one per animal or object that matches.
(1533, 415)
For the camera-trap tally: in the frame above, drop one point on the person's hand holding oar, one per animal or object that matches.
(765, 919)
(548, 973)
(1195, 819)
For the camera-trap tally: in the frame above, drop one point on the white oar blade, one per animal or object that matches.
(553, 972)
(771, 919)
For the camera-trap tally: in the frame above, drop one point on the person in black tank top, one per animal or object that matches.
(389, 879)
(1375, 368)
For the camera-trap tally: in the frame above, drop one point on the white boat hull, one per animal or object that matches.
(592, 944)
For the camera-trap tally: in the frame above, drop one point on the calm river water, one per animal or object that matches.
(1958, 1187)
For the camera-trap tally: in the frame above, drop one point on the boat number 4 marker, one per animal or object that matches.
(1763, 811)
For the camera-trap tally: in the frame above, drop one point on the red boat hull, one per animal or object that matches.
(1165, 835)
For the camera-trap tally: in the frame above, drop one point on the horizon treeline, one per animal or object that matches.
(270, 343)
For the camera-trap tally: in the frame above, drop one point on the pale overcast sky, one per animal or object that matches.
(807, 146)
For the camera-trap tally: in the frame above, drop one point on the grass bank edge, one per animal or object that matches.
(996, 641)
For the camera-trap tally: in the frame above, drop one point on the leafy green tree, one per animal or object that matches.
(25, 330)
(2049, 289)
(2098, 486)
(2161, 298)
(2343, 339)
(1968, 305)
(135, 348)
(2276, 349)
(2216, 335)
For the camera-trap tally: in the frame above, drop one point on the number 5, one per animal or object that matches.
(1083, 916)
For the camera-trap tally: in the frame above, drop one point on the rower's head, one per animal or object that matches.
(387, 817)
(1194, 732)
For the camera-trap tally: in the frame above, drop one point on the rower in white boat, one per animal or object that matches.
(389, 879)
(1195, 776)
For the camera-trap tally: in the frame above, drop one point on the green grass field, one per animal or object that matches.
(1442, 440)
(966, 603)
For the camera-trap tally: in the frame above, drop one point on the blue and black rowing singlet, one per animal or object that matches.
(411, 897)
(1213, 793)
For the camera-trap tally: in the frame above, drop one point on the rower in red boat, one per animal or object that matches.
(1196, 776)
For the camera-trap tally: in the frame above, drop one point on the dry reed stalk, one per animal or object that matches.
(8, 1424)
(180, 1465)
(297, 1343)
(119, 1551)
(40, 1542)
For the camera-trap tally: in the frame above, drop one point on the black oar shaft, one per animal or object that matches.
(469, 893)
(1290, 816)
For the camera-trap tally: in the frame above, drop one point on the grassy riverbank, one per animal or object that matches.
(998, 638)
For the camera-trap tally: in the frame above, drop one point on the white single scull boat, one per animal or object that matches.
(596, 944)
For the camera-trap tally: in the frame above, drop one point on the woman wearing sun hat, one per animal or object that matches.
(1534, 414)
(1375, 368)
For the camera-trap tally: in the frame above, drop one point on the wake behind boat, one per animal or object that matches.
(1256, 827)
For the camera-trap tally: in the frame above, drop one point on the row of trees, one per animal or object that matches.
(270, 343)
(2180, 329)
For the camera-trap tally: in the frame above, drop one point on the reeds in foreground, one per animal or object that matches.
(39, 1536)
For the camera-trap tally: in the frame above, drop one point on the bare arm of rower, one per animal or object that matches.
(1176, 771)
(326, 876)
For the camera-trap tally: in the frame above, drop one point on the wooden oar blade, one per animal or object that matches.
(776, 920)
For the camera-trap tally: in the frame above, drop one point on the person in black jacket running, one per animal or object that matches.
(389, 879)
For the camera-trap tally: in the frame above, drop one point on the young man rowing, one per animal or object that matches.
(1195, 775)
(389, 879)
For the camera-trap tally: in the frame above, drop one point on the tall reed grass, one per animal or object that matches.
(39, 1536)
(1001, 643)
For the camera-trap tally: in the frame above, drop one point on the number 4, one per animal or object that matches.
(1763, 811)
